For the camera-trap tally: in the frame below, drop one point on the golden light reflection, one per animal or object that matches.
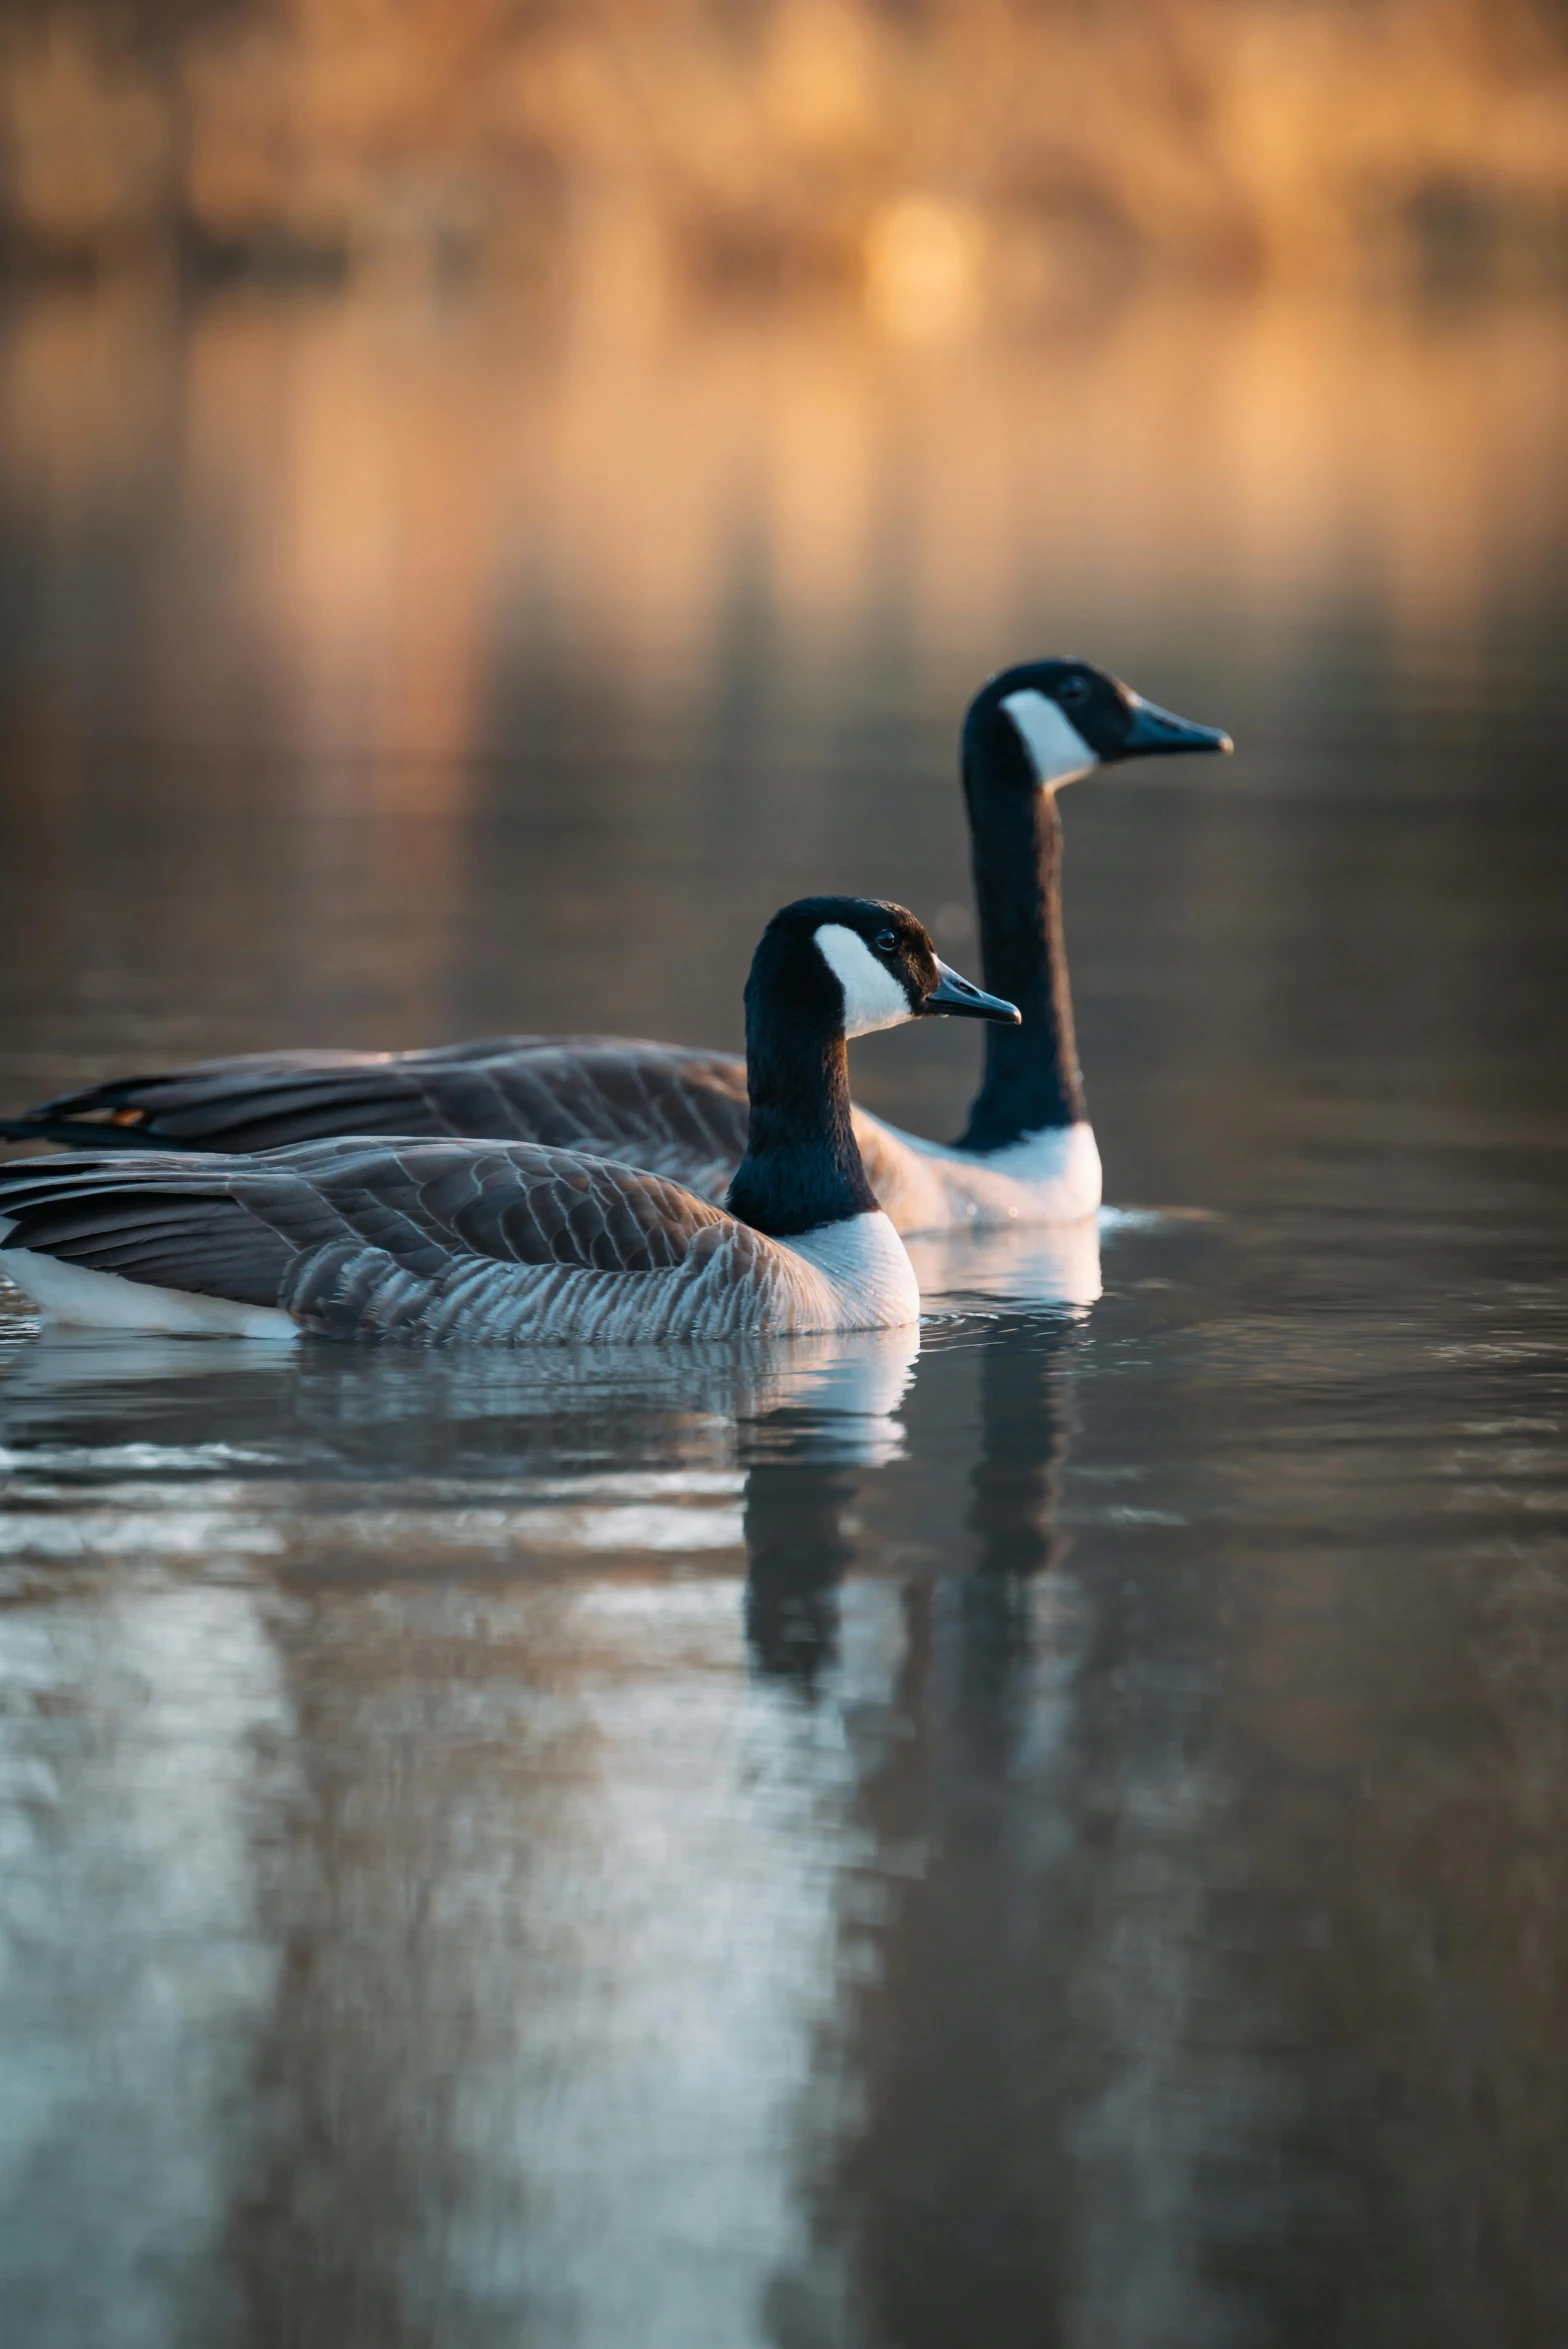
(380, 492)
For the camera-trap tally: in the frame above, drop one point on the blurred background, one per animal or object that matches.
(935, 155)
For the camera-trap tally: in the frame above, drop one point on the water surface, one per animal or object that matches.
(1056, 1838)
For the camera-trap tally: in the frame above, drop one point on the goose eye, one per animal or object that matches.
(887, 940)
(1072, 689)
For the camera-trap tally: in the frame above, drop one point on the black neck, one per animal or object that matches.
(802, 1165)
(1032, 1079)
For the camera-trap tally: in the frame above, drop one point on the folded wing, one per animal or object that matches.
(677, 1112)
(361, 1234)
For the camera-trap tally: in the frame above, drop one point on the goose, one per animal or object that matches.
(1027, 1153)
(371, 1236)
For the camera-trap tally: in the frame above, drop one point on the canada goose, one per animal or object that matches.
(1027, 1154)
(517, 1241)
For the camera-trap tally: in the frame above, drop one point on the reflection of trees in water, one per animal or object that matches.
(544, 1950)
(547, 1897)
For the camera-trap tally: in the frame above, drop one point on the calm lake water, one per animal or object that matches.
(1054, 1841)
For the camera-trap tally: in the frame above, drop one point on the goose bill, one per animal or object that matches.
(1154, 731)
(955, 996)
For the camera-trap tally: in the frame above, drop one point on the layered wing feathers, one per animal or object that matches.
(241, 1228)
(682, 1113)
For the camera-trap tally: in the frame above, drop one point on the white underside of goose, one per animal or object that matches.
(1048, 1177)
(69, 1296)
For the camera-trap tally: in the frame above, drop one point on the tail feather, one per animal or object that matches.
(180, 1226)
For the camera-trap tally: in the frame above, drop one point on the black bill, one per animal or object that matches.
(958, 999)
(1154, 732)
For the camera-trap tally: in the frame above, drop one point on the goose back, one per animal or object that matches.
(676, 1111)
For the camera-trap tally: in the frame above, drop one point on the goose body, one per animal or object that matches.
(433, 1240)
(519, 1242)
(1028, 1153)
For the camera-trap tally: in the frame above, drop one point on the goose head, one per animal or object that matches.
(850, 965)
(1046, 723)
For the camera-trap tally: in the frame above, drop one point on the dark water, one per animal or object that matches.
(1058, 1841)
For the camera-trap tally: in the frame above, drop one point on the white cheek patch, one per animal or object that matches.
(1057, 751)
(873, 997)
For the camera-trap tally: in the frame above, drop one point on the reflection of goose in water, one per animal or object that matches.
(1027, 1152)
(1015, 1493)
(801, 1537)
(955, 2215)
(369, 1462)
(801, 1488)
(1058, 2109)
(314, 1405)
(1028, 1265)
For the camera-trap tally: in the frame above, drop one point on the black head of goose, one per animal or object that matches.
(828, 969)
(519, 1242)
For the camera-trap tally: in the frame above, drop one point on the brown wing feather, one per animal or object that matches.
(239, 1227)
(681, 1112)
